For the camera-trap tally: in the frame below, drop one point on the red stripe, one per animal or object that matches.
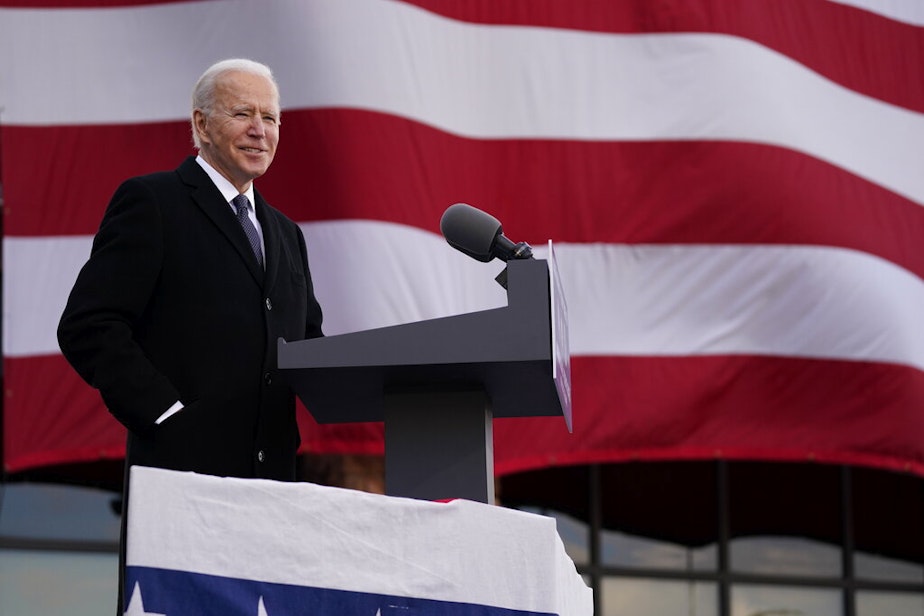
(47, 426)
(860, 50)
(733, 407)
(51, 417)
(58, 180)
(337, 164)
(651, 408)
(737, 407)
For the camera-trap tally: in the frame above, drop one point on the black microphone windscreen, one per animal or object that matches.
(470, 230)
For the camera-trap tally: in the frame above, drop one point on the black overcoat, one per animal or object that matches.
(172, 305)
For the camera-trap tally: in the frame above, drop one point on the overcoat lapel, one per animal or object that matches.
(208, 198)
(271, 241)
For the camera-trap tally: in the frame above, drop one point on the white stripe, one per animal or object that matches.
(371, 274)
(908, 11)
(474, 80)
(37, 278)
(791, 301)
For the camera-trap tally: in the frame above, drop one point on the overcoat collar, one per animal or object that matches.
(209, 199)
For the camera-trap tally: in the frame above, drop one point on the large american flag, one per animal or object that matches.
(734, 189)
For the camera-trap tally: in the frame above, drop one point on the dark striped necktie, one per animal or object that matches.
(242, 205)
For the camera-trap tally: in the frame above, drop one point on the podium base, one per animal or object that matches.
(439, 445)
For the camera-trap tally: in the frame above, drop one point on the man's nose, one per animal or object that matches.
(257, 128)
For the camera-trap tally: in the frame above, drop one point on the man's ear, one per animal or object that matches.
(200, 120)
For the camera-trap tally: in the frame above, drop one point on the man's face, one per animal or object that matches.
(240, 135)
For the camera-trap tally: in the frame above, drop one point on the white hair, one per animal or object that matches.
(203, 96)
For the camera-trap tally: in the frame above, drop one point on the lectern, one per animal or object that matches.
(437, 384)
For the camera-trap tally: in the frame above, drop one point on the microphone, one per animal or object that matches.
(480, 235)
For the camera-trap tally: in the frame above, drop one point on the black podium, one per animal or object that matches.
(438, 384)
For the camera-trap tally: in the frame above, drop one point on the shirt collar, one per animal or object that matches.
(227, 189)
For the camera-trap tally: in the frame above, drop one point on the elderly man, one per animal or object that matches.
(191, 280)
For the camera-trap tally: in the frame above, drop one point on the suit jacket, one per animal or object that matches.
(172, 305)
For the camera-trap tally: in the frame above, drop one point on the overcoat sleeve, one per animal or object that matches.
(314, 319)
(112, 290)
